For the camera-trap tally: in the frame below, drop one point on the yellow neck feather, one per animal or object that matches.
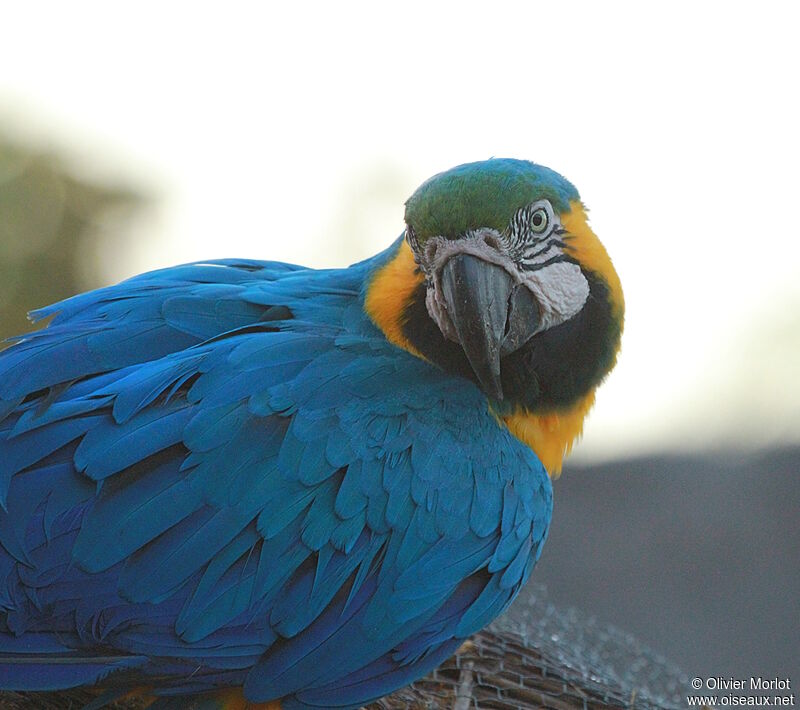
(551, 435)
(389, 293)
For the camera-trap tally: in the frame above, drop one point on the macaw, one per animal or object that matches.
(236, 482)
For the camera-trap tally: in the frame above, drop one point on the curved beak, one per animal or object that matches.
(492, 315)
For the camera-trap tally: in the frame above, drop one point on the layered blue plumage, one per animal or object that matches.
(223, 474)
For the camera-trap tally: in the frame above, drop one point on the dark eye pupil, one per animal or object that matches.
(538, 219)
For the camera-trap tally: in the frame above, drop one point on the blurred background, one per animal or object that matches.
(136, 136)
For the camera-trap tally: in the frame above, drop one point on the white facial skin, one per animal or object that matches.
(529, 251)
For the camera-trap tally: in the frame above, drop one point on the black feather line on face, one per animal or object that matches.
(548, 262)
(547, 247)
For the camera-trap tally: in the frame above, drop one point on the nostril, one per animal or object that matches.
(491, 241)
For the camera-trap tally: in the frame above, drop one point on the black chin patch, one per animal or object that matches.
(552, 370)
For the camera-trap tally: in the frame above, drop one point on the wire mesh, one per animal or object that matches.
(537, 656)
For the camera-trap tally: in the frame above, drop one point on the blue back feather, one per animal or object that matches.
(223, 474)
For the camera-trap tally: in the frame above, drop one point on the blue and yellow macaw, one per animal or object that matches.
(238, 482)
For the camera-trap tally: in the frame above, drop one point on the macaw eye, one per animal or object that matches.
(539, 220)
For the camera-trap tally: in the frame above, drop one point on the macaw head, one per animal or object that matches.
(510, 288)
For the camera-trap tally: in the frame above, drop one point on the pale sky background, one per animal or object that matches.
(296, 133)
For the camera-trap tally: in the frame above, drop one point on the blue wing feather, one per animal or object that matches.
(225, 475)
